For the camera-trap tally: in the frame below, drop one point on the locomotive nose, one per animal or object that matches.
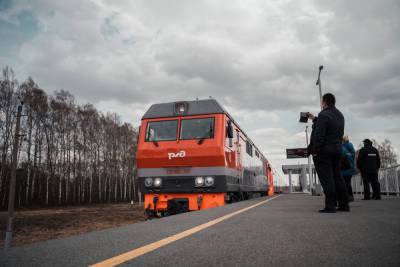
(189, 156)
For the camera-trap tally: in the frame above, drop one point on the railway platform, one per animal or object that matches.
(284, 230)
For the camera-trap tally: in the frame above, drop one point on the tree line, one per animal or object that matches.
(68, 153)
(386, 152)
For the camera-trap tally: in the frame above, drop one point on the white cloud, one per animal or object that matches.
(259, 55)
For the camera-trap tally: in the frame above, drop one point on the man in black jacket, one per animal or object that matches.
(369, 162)
(326, 147)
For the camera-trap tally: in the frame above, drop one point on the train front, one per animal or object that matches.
(180, 157)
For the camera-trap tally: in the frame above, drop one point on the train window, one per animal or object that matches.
(249, 148)
(257, 154)
(202, 128)
(161, 130)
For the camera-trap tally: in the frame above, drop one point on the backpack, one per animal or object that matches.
(345, 163)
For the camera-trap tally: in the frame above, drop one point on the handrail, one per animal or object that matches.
(388, 179)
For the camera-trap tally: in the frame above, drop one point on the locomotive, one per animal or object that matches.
(192, 155)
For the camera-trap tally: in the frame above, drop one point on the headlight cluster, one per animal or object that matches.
(203, 181)
(153, 182)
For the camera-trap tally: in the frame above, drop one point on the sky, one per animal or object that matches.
(259, 59)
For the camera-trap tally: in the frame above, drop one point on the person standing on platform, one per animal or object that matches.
(326, 148)
(349, 155)
(369, 162)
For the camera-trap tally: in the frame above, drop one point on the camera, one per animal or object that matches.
(303, 117)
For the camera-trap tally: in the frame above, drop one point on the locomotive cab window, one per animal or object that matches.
(161, 130)
(202, 128)
(249, 148)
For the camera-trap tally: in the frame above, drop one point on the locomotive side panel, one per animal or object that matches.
(242, 155)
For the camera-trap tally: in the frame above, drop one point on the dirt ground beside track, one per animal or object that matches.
(43, 224)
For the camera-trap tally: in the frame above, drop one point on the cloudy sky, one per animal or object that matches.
(258, 58)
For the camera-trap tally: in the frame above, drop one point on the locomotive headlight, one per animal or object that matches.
(181, 108)
(209, 181)
(148, 182)
(199, 181)
(157, 182)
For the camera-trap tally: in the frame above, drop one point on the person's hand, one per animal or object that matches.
(310, 116)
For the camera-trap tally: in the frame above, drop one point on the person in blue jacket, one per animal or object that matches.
(349, 152)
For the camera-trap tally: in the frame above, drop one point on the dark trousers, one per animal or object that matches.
(347, 181)
(371, 178)
(328, 170)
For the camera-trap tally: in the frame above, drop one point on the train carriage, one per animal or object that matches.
(192, 155)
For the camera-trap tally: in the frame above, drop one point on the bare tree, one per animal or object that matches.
(72, 154)
(8, 85)
(386, 152)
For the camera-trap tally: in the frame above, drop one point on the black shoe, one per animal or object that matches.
(327, 210)
(378, 198)
(345, 208)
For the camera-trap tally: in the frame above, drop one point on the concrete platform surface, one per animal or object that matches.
(286, 231)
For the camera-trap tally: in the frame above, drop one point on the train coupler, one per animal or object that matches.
(177, 205)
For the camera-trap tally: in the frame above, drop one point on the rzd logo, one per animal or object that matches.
(180, 154)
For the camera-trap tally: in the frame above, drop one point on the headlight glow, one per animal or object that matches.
(199, 181)
(148, 182)
(157, 182)
(209, 181)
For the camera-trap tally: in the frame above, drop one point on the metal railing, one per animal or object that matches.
(388, 178)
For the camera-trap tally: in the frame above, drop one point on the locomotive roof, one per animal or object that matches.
(196, 107)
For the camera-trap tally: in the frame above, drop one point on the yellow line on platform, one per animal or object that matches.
(130, 255)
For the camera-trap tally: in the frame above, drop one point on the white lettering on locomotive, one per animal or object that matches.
(180, 154)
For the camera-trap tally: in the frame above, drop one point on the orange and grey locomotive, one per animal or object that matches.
(192, 155)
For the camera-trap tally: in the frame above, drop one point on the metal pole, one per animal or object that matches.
(309, 166)
(290, 182)
(319, 85)
(396, 179)
(11, 195)
(386, 182)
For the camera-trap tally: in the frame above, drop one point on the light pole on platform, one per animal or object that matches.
(319, 85)
(320, 68)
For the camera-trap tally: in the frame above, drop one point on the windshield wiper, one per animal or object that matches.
(205, 137)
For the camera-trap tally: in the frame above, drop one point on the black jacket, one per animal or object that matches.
(327, 132)
(368, 160)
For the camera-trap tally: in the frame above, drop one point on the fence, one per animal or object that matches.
(388, 178)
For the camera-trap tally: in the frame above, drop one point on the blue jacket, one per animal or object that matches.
(348, 150)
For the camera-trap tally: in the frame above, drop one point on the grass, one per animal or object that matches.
(43, 224)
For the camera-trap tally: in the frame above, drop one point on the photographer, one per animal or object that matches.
(326, 148)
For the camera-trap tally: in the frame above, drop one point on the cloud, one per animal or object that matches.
(16, 29)
(257, 55)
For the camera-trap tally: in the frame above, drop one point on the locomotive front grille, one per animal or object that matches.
(181, 184)
(178, 182)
